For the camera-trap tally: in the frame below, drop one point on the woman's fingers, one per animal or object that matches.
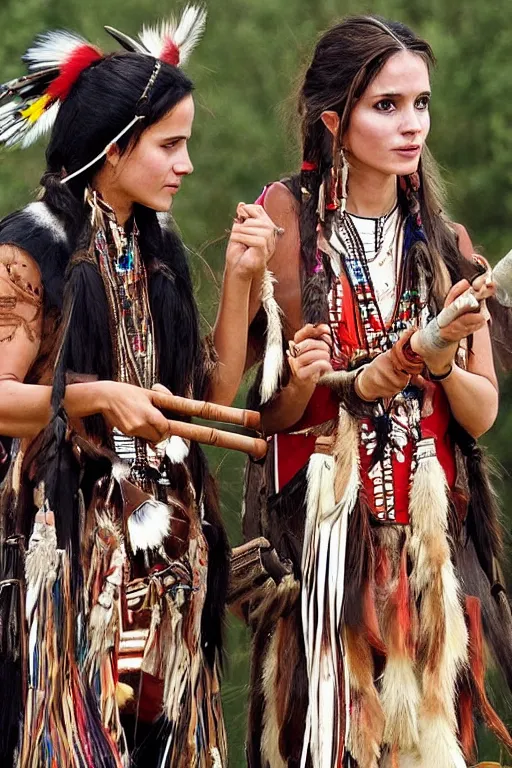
(246, 210)
(464, 326)
(484, 286)
(161, 388)
(306, 358)
(309, 331)
(241, 230)
(251, 241)
(313, 371)
(455, 291)
(252, 223)
(159, 423)
(308, 345)
(309, 354)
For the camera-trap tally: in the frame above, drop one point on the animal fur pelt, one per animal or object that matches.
(443, 637)
(315, 308)
(495, 611)
(275, 613)
(342, 384)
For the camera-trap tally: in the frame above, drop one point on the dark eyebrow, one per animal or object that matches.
(398, 95)
(175, 138)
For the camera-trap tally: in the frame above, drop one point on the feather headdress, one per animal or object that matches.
(170, 41)
(29, 105)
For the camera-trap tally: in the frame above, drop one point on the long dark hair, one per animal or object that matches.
(103, 101)
(345, 61)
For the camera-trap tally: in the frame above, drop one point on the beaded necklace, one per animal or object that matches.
(393, 425)
(377, 336)
(125, 280)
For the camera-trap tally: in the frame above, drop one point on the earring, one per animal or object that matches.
(410, 185)
(344, 180)
(338, 190)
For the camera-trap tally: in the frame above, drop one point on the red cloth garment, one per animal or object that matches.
(294, 450)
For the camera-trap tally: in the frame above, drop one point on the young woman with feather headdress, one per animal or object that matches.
(113, 559)
(369, 650)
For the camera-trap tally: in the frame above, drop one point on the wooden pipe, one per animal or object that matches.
(254, 446)
(208, 411)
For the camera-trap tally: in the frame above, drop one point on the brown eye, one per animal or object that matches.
(423, 102)
(385, 105)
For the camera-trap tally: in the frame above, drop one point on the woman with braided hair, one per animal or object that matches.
(113, 555)
(369, 650)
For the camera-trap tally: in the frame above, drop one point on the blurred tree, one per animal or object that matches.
(247, 71)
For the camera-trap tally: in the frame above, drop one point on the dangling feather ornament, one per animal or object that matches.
(273, 360)
(30, 104)
(172, 41)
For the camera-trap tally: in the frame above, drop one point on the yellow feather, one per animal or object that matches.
(34, 112)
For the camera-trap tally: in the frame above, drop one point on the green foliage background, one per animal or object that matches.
(246, 72)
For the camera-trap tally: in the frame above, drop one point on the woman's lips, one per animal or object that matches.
(408, 151)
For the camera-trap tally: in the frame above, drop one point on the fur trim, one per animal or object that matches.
(43, 217)
(148, 526)
(443, 636)
(400, 699)
(177, 449)
(367, 716)
(271, 726)
(400, 692)
(477, 673)
(342, 385)
(439, 744)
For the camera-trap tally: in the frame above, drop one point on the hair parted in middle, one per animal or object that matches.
(345, 61)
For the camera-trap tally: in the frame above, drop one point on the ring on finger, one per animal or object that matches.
(294, 349)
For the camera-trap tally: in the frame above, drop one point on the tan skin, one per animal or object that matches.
(150, 173)
(387, 129)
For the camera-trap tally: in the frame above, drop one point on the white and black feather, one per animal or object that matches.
(185, 33)
(52, 49)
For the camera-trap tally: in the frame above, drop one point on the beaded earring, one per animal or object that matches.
(410, 185)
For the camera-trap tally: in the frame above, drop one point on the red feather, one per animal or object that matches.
(477, 671)
(71, 69)
(170, 53)
(466, 724)
(403, 609)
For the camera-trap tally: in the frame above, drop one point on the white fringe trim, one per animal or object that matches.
(323, 568)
